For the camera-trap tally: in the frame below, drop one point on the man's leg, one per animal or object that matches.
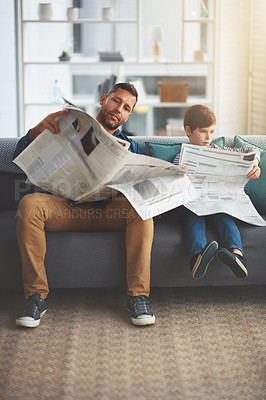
(118, 215)
(39, 212)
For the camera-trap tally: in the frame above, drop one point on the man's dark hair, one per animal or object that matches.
(125, 86)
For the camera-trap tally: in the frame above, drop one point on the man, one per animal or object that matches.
(40, 212)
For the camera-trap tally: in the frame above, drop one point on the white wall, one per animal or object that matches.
(8, 102)
(258, 70)
(232, 67)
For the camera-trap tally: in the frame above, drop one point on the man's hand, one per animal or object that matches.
(255, 172)
(49, 122)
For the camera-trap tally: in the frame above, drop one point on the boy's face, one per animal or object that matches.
(200, 136)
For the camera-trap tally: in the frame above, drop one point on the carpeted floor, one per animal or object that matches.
(207, 344)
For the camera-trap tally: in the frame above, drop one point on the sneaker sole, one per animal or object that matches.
(227, 258)
(143, 321)
(30, 323)
(212, 249)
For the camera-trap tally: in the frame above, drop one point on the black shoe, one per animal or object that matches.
(199, 262)
(235, 262)
(139, 310)
(35, 308)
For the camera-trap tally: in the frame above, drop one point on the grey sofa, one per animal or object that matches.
(98, 259)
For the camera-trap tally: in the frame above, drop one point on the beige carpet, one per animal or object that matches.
(207, 343)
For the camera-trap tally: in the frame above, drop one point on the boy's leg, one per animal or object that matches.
(231, 251)
(200, 252)
(194, 231)
(228, 232)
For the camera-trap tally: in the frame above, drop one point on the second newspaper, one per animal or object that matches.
(219, 178)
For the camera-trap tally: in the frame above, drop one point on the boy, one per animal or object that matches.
(199, 125)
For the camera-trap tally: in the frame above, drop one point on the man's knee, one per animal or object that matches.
(29, 203)
(124, 209)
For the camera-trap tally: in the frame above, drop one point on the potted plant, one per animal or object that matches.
(64, 56)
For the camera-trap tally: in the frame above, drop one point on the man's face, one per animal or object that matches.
(200, 136)
(115, 109)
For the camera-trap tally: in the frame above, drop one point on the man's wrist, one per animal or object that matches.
(33, 133)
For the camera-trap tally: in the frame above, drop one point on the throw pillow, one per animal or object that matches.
(168, 152)
(256, 188)
(220, 141)
(163, 151)
(240, 142)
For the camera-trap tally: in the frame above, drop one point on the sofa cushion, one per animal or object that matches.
(256, 188)
(168, 152)
(165, 152)
(220, 141)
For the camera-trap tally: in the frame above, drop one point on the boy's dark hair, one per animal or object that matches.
(125, 86)
(199, 116)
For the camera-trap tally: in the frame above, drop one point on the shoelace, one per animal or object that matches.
(140, 305)
(31, 306)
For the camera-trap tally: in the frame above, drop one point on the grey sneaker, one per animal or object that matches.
(35, 308)
(139, 310)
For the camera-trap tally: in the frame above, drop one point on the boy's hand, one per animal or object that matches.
(255, 172)
(183, 167)
(49, 122)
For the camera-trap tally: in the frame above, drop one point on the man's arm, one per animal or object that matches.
(136, 148)
(49, 122)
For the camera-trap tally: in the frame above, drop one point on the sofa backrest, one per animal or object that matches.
(257, 140)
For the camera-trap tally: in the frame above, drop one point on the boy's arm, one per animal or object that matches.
(255, 172)
(176, 162)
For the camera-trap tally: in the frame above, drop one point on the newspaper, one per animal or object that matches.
(219, 177)
(85, 163)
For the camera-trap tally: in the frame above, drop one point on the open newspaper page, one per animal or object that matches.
(152, 186)
(71, 164)
(85, 163)
(219, 177)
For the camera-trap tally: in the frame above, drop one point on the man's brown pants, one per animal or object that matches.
(40, 212)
